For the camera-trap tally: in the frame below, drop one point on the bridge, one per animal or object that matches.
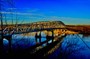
(25, 30)
(8, 32)
(41, 52)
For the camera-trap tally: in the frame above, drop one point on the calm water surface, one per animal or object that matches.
(73, 46)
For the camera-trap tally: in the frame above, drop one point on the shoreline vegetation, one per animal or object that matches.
(82, 29)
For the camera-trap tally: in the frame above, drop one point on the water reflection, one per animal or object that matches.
(23, 41)
(72, 47)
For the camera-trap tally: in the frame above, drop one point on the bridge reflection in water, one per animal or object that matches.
(24, 41)
(33, 38)
(67, 48)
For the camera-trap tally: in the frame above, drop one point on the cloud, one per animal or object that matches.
(19, 13)
(24, 11)
(27, 9)
(11, 8)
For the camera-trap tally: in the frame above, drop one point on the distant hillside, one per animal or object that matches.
(49, 22)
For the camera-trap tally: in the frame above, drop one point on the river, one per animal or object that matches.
(76, 46)
(73, 47)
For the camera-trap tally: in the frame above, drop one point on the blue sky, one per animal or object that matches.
(67, 11)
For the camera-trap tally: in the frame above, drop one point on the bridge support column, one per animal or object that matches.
(10, 43)
(36, 36)
(47, 39)
(40, 37)
(52, 36)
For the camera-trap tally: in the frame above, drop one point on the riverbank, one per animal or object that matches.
(82, 29)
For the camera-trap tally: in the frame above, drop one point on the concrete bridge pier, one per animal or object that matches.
(47, 39)
(52, 37)
(38, 37)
